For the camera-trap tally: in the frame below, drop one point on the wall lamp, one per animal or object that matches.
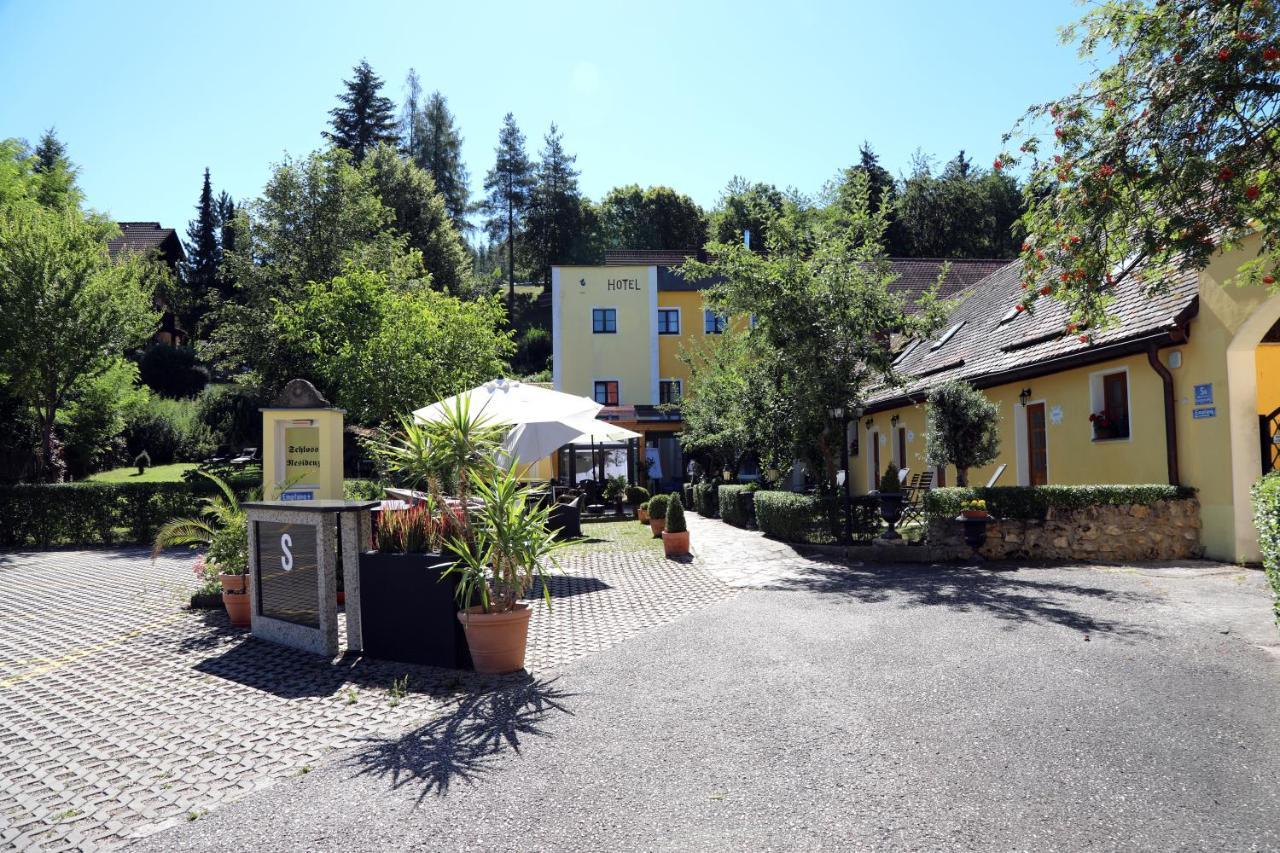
(893, 421)
(870, 423)
(1024, 397)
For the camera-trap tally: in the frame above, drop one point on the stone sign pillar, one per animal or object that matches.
(293, 565)
(302, 446)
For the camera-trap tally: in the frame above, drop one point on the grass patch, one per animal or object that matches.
(613, 536)
(155, 474)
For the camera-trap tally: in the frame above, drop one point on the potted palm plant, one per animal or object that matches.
(675, 536)
(223, 529)
(658, 513)
(509, 547)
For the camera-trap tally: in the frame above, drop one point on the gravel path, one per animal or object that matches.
(1049, 708)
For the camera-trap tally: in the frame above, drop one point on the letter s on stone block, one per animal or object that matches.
(286, 561)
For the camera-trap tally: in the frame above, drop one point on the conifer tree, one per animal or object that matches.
(429, 138)
(204, 252)
(555, 206)
(366, 117)
(508, 184)
(227, 242)
(55, 183)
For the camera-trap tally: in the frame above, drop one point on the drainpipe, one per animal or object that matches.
(1170, 418)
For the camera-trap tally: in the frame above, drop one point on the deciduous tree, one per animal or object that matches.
(962, 428)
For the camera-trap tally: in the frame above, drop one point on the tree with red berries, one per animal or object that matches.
(1162, 159)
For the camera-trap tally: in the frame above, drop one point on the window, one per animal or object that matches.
(604, 321)
(668, 321)
(606, 392)
(669, 391)
(712, 322)
(1109, 396)
(946, 336)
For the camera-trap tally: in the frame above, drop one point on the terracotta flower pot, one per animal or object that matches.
(657, 525)
(235, 597)
(643, 515)
(974, 513)
(496, 640)
(675, 544)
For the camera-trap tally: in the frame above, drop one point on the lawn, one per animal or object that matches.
(155, 474)
(613, 536)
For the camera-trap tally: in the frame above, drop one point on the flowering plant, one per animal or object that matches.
(207, 573)
(1100, 421)
(974, 505)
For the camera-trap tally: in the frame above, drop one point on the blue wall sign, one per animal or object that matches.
(1204, 396)
(1210, 412)
(298, 495)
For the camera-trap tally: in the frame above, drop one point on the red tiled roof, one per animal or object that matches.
(917, 275)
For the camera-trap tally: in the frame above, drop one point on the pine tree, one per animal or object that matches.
(55, 175)
(430, 139)
(508, 184)
(204, 253)
(555, 206)
(365, 118)
(226, 209)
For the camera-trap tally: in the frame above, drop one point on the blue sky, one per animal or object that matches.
(687, 94)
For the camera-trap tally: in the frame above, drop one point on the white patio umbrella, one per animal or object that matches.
(596, 432)
(542, 420)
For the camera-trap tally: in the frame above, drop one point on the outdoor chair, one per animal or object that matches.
(248, 455)
(996, 475)
(903, 473)
(914, 508)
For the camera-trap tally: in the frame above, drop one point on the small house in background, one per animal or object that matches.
(163, 244)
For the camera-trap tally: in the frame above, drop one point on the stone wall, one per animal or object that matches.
(1166, 530)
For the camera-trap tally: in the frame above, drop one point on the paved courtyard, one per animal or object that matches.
(124, 713)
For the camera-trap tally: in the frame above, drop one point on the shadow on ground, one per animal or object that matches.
(468, 740)
(1013, 596)
(565, 586)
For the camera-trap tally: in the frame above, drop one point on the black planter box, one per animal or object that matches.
(407, 613)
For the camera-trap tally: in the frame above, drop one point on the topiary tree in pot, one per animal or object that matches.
(636, 497)
(658, 513)
(675, 537)
(891, 497)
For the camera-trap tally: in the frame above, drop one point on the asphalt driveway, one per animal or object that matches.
(1078, 708)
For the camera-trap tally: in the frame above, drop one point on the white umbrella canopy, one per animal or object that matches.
(596, 432)
(509, 401)
(527, 443)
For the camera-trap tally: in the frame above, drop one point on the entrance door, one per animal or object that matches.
(1037, 445)
(902, 447)
(1269, 431)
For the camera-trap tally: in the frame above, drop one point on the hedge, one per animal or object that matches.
(42, 514)
(737, 504)
(794, 517)
(705, 500)
(1034, 502)
(1266, 518)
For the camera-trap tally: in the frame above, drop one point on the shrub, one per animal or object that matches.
(170, 431)
(658, 506)
(1034, 502)
(1266, 518)
(363, 490)
(705, 499)
(806, 518)
(231, 414)
(890, 480)
(44, 514)
(737, 504)
(637, 495)
(675, 515)
(172, 371)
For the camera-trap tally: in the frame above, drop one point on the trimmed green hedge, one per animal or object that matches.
(1266, 518)
(40, 514)
(706, 500)
(1033, 502)
(738, 504)
(806, 518)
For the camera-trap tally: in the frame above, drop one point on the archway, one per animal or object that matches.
(1242, 384)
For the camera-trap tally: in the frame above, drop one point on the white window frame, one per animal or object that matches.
(1098, 399)
(596, 379)
(614, 309)
(679, 322)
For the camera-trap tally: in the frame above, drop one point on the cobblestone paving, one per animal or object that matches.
(122, 713)
(746, 558)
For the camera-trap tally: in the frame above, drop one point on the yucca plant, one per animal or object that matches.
(222, 527)
(510, 546)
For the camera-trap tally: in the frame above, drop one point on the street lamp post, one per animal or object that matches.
(840, 415)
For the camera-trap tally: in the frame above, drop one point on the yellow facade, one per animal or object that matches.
(1268, 370)
(691, 337)
(628, 356)
(313, 468)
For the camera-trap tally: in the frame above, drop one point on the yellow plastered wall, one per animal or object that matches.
(1074, 456)
(1268, 370)
(690, 338)
(580, 356)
